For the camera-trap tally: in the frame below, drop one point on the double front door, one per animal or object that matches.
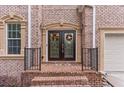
(61, 45)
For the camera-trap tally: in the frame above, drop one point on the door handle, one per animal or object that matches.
(62, 48)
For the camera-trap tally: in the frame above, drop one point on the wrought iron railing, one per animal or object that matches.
(32, 59)
(90, 59)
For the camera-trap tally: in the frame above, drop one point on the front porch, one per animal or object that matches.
(33, 61)
(59, 67)
(61, 73)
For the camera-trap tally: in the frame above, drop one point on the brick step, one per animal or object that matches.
(28, 76)
(60, 81)
(38, 73)
(41, 73)
(61, 86)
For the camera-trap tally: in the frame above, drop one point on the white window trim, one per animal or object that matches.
(6, 39)
(6, 28)
(46, 46)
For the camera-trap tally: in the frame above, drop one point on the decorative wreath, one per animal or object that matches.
(69, 37)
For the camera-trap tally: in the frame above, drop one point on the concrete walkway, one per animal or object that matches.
(116, 78)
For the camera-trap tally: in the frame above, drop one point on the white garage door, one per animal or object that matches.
(114, 52)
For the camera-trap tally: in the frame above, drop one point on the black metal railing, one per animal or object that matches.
(32, 59)
(90, 59)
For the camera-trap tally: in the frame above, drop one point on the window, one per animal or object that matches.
(14, 38)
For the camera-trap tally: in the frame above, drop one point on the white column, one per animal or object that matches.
(29, 26)
(94, 26)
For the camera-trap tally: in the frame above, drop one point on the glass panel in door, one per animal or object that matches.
(61, 45)
(54, 47)
(69, 46)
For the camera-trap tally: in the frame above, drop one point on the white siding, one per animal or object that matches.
(114, 52)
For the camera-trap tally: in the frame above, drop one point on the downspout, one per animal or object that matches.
(94, 26)
(81, 29)
(29, 35)
(94, 36)
(29, 26)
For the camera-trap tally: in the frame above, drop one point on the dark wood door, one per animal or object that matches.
(61, 45)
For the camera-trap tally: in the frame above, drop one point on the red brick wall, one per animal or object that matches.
(109, 16)
(106, 16)
(10, 72)
(88, 26)
(19, 10)
(50, 14)
(10, 69)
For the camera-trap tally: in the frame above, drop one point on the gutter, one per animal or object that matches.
(94, 26)
(29, 26)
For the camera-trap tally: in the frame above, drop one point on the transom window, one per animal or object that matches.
(14, 38)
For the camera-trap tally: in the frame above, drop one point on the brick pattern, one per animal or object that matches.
(40, 14)
(88, 26)
(35, 25)
(9, 81)
(11, 67)
(70, 71)
(108, 16)
(10, 72)
(15, 9)
(48, 14)
(61, 80)
(59, 14)
(19, 10)
(44, 15)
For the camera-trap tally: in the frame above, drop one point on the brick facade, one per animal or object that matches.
(45, 14)
(109, 17)
(88, 26)
(106, 17)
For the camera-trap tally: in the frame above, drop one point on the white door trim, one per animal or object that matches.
(47, 47)
(104, 31)
(111, 62)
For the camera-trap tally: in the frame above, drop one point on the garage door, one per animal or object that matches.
(114, 52)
